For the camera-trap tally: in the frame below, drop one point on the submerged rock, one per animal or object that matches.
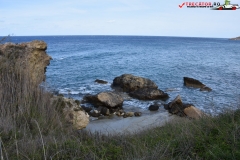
(149, 94)
(100, 81)
(205, 88)
(191, 82)
(130, 83)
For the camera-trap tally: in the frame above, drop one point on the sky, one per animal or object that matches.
(116, 17)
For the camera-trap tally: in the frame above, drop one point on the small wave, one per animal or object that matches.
(137, 103)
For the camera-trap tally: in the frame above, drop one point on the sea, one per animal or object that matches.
(77, 61)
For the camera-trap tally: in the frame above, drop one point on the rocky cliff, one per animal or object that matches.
(28, 58)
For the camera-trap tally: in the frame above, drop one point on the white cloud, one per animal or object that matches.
(111, 21)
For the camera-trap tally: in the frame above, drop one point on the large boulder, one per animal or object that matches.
(29, 59)
(191, 82)
(183, 109)
(149, 94)
(176, 106)
(106, 99)
(153, 107)
(79, 119)
(71, 110)
(130, 83)
(193, 112)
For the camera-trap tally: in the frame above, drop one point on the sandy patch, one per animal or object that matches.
(118, 125)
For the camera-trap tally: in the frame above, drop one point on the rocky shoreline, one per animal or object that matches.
(107, 106)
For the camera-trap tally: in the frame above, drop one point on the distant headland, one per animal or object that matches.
(237, 38)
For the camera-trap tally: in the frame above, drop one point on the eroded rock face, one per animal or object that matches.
(130, 83)
(149, 94)
(191, 82)
(106, 99)
(29, 58)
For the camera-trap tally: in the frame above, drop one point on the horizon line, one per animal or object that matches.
(112, 35)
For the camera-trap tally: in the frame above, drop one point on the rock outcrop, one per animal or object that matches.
(72, 111)
(139, 87)
(191, 82)
(130, 83)
(183, 110)
(149, 94)
(28, 58)
(106, 99)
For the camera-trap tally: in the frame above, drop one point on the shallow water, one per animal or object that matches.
(79, 60)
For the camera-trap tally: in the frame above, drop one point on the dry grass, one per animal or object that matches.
(25, 111)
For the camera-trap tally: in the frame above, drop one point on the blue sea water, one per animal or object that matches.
(79, 60)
